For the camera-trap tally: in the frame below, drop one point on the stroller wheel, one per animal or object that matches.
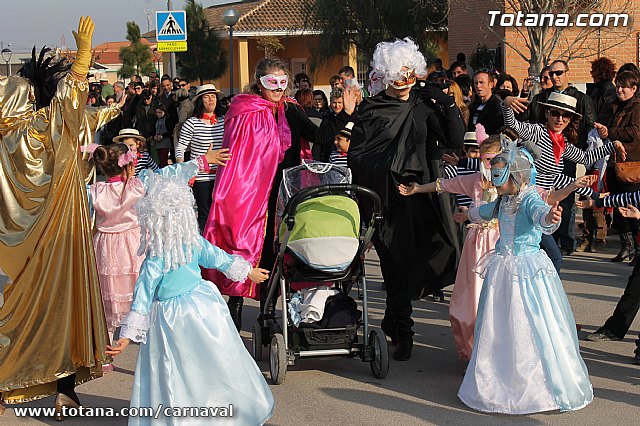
(380, 354)
(256, 342)
(278, 359)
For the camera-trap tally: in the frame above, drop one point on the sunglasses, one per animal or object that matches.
(545, 78)
(557, 113)
(558, 73)
(183, 85)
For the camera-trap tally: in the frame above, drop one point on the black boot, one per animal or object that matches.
(626, 249)
(403, 350)
(235, 309)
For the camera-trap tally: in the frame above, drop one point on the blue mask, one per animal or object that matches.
(499, 176)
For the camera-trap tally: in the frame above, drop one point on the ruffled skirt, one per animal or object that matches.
(118, 266)
(194, 357)
(526, 357)
(466, 291)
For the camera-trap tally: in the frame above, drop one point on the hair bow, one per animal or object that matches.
(89, 149)
(126, 158)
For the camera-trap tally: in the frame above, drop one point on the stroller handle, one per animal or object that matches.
(331, 189)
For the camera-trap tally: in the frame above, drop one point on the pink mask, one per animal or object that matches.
(274, 82)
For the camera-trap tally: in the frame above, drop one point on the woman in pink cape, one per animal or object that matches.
(263, 134)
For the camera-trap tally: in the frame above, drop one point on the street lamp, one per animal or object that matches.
(6, 56)
(230, 17)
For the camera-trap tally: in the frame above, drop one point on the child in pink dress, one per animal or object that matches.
(480, 239)
(117, 238)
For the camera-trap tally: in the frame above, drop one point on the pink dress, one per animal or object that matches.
(480, 239)
(116, 244)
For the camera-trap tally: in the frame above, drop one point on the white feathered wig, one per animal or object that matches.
(390, 57)
(168, 224)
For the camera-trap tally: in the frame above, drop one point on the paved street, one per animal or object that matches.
(423, 390)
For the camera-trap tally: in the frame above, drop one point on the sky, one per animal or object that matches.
(55, 19)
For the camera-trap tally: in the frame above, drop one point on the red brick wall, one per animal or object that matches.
(468, 27)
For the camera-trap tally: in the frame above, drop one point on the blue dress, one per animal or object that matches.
(192, 355)
(526, 357)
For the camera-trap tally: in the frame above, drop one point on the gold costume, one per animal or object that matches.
(52, 322)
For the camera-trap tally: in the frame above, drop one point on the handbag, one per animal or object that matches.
(628, 171)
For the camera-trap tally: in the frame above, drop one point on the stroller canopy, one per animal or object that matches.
(327, 228)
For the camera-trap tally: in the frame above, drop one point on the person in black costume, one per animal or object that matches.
(392, 143)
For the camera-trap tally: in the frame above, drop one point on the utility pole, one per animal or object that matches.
(172, 55)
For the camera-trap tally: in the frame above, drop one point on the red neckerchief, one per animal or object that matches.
(342, 154)
(114, 179)
(558, 142)
(210, 117)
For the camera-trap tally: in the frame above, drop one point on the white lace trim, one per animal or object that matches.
(135, 327)
(239, 269)
(540, 217)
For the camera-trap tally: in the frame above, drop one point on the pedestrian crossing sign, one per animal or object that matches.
(171, 25)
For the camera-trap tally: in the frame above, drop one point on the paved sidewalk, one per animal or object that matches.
(422, 390)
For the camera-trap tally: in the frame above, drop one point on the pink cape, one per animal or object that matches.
(238, 215)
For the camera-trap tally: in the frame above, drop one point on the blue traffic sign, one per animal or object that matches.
(171, 25)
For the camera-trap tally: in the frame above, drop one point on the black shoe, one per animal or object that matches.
(626, 250)
(390, 330)
(602, 335)
(403, 351)
(566, 251)
(636, 359)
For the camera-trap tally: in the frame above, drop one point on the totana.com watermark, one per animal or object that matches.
(520, 19)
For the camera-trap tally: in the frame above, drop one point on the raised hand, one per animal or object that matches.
(555, 214)
(585, 204)
(631, 212)
(413, 188)
(585, 181)
(462, 215)
(451, 159)
(622, 151)
(120, 346)
(519, 105)
(84, 37)
(258, 275)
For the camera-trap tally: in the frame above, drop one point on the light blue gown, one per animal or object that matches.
(526, 357)
(191, 354)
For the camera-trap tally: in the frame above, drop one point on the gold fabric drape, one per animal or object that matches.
(52, 321)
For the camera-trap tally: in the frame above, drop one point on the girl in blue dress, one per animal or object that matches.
(526, 357)
(191, 354)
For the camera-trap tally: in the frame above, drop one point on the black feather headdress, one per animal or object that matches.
(44, 74)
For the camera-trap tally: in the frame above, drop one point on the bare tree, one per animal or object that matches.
(558, 29)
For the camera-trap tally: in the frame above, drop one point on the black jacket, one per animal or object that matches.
(603, 94)
(490, 116)
(329, 128)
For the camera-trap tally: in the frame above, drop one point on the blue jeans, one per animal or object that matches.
(553, 251)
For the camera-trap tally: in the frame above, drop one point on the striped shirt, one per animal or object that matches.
(620, 200)
(145, 161)
(196, 136)
(550, 173)
(450, 171)
(339, 159)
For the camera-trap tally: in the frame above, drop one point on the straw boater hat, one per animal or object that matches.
(204, 89)
(129, 133)
(470, 139)
(563, 102)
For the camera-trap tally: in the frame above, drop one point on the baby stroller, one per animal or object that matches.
(320, 243)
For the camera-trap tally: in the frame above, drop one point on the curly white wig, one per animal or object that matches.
(390, 57)
(169, 229)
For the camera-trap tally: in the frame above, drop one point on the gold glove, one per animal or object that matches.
(83, 42)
